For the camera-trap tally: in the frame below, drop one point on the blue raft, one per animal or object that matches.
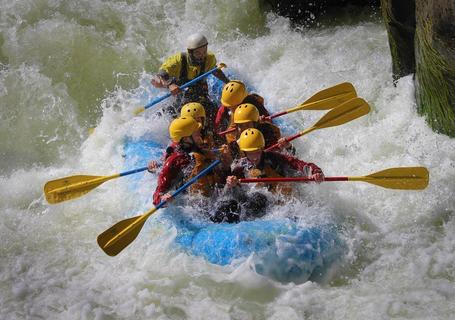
(280, 248)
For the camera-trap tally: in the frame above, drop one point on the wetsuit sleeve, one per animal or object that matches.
(173, 166)
(220, 115)
(172, 66)
(306, 168)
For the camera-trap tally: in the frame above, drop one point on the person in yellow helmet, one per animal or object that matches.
(267, 164)
(187, 160)
(259, 164)
(182, 67)
(235, 93)
(197, 111)
(247, 116)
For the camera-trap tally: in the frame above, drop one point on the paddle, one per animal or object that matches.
(76, 186)
(348, 111)
(323, 100)
(189, 83)
(405, 178)
(120, 235)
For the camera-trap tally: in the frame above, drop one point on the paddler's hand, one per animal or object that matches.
(167, 197)
(232, 181)
(152, 166)
(174, 89)
(225, 156)
(264, 118)
(157, 82)
(318, 177)
(283, 143)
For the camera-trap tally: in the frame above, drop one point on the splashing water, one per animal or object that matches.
(66, 66)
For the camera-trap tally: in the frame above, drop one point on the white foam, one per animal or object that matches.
(401, 246)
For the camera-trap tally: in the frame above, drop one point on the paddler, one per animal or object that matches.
(260, 164)
(234, 93)
(187, 160)
(247, 116)
(185, 66)
(197, 112)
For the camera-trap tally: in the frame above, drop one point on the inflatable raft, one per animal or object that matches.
(280, 248)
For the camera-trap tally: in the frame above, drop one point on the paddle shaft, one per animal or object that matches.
(189, 83)
(304, 106)
(289, 139)
(294, 179)
(191, 181)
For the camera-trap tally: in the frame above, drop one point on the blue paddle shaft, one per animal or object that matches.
(189, 83)
(191, 181)
(132, 171)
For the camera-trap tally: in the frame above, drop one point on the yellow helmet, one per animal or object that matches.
(251, 140)
(233, 93)
(246, 112)
(193, 109)
(183, 127)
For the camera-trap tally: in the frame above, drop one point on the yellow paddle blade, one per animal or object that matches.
(405, 178)
(72, 187)
(138, 111)
(348, 111)
(328, 98)
(119, 236)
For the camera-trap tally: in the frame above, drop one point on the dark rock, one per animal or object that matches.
(435, 63)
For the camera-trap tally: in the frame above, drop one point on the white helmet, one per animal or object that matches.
(195, 41)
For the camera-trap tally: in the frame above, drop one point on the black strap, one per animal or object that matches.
(184, 69)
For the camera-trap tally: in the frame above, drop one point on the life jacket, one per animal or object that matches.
(197, 90)
(267, 168)
(207, 139)
(284, 189)
(270, 132)
(206, 184)
(235, 151)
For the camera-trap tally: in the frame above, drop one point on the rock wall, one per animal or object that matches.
(435, 63)
(422, 41)
(308, 13)
(399, 19)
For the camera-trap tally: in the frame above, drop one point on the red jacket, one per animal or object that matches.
(174, 172)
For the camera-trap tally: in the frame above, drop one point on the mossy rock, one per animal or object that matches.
(435, 63)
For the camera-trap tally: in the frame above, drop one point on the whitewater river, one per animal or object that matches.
(66, 66)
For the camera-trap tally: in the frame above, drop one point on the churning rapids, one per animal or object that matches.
(66, 66)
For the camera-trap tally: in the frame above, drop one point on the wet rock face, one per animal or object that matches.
(422, 41)
(399, 19)
(435, 63)
(307, 13)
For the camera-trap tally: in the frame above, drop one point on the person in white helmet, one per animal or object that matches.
(184, 66)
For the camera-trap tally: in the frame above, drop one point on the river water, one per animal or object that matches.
(67, 66)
